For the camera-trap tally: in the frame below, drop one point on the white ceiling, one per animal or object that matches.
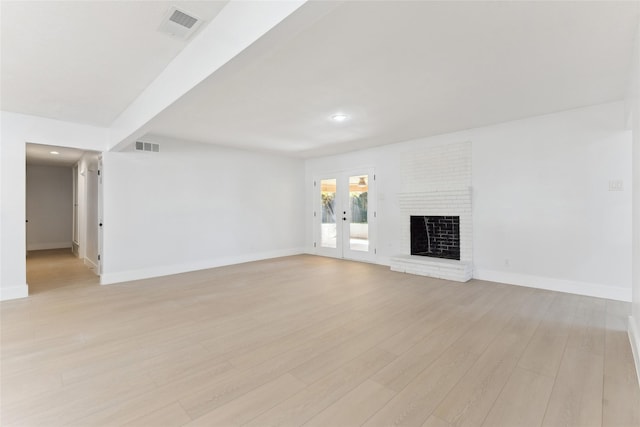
(401, 70)
(40, 155)
(85, 61)
(404, 70)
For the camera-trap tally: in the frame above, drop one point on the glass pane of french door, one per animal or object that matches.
(328, 232)
(359, 207)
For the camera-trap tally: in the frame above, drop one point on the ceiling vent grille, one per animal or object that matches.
(147, 146)
(179, 23)
(183, 19)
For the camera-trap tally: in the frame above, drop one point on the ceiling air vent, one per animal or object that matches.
(178, 23)
(183, 19)
(147, 146)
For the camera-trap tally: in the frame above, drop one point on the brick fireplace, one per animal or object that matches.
(436, 201)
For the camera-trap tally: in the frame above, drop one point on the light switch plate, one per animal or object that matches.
(616, 185)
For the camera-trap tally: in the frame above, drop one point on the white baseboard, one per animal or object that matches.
(147, 273)
(560, 285)
(45, 246)
(384, 260)
(634, 339)
(14, 292)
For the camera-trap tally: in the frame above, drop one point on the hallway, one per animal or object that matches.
(57, 268)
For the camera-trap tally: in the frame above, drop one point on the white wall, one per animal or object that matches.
(15, 131)
(540, 199)
(195, 206)
(633, 97)
(49, 207)
(13, 280)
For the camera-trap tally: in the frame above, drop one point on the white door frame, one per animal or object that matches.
(343, 216)
(93, 202)
(100, 216)
(75, 233)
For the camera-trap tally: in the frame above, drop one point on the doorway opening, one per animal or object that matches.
(63, 205)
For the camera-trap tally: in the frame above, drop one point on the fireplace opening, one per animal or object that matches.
(436, 236)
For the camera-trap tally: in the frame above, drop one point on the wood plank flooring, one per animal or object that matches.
(309, 341)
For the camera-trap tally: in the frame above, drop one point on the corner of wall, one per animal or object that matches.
(634, 340)
(633, 98)
(14, 292)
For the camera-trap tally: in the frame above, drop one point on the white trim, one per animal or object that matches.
(559, 285)
(147, 273)
(45, 246)
(634, 340)
(14, 292)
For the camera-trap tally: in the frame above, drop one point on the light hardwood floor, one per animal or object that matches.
(310, 341)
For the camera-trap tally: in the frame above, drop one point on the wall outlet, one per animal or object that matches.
(616, 185)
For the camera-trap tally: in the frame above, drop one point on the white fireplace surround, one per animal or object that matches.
(436, 181)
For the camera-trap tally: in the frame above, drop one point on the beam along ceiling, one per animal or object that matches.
(399, 70)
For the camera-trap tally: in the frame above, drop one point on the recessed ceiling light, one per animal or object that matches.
(339, 117)
(54, 152)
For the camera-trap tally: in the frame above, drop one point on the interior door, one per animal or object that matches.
(345, 215)
(75, 238)
(92, 231)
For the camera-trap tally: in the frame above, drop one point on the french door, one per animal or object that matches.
(345, 215)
